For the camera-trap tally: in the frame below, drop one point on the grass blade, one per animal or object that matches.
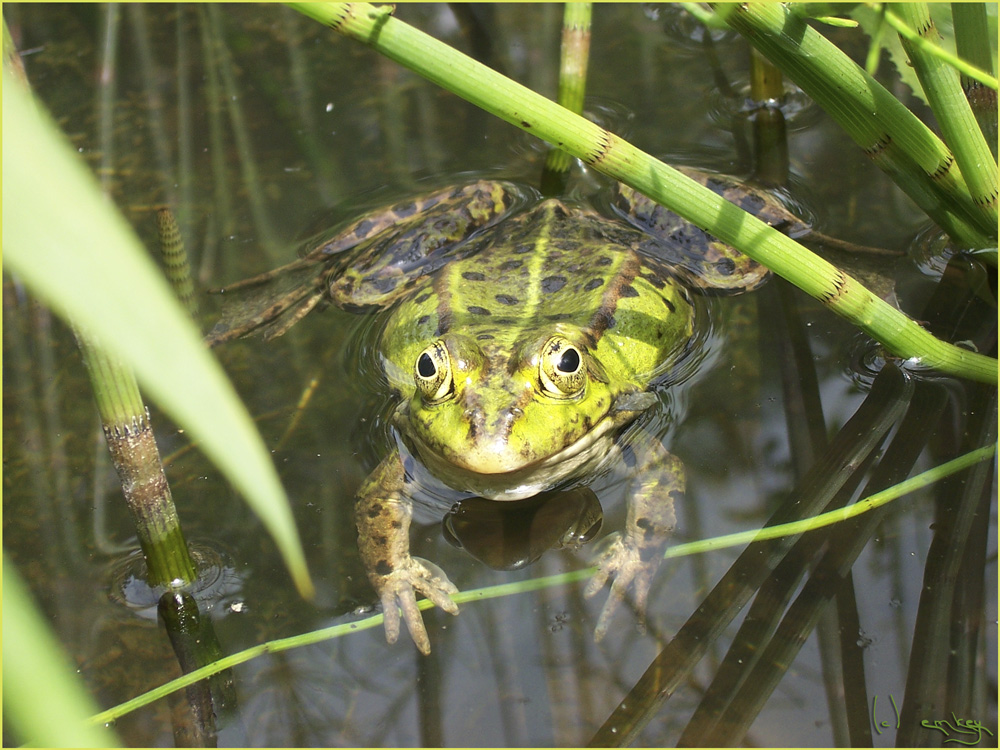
(76, 253)
(43, 702)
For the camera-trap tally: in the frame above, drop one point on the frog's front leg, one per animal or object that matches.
(634, 556)
(383, 513)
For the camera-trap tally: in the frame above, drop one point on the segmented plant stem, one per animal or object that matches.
(175, 260)
(136, 458)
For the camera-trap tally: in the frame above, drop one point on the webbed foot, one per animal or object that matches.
(397, 591)
(629, 560)
(383, 516)
(623, 564)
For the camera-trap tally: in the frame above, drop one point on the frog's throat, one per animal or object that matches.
(497, 481)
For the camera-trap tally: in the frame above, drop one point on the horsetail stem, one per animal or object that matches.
(175, 260)
(973, 44)
(136, 458)
(574, 59)
(890, 134)
(770, 137)
(951, 108)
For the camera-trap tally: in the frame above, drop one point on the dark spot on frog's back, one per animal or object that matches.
(363, 228)
(510, 265)
(669, 304)
(553, 283)
(422, 298)
(725, 267)
(655, 280)
(410, 209)
(752, 203)
(476, 310)
(473, 276)
(506, 299)
(525, 248)
(383, 285)
(594, 284)
(629, 291)
(567, 245)
(604, 260)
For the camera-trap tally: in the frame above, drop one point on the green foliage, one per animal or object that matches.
(872, 22)
(78, 254)
(41, 699)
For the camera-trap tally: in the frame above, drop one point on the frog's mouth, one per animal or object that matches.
(494, 471)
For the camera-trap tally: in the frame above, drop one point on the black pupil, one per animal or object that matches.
(425, 366)
(569, 362)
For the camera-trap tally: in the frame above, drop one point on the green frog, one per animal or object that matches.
(523, 336)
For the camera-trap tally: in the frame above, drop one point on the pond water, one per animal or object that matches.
(261, 127)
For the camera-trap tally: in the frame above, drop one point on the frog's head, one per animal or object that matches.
(492, 408)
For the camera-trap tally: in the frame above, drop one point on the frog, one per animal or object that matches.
(523, 337)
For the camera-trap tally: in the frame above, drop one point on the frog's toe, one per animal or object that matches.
(390, 615)
(398, 593)
(630, 573)
(434, 583)
(414, 620)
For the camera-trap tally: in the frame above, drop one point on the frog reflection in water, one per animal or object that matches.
(520, 341)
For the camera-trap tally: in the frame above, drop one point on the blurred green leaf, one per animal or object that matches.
(42, 699)
(870, 21)
(78, 254)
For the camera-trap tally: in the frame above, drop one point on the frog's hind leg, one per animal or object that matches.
(270, 306)
(632, 558)
(263, 278)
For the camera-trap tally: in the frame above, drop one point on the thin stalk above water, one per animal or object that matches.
(573, 62)
(951, 108)
(972, 40)
(889, 133)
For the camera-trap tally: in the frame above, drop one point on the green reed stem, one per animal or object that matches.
(958, 124)
(186, 112)
(619, 159)
(175, 260)
(574, 59)
(840, 514)
(110, 37)
(770, 137)
(765, 79)
(892, 136)
(136, 458)
(908, 31)
(972, 41)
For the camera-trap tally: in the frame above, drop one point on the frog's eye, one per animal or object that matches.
(432, 373)
(561, 370)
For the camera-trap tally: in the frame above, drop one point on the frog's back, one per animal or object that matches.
(556, 269)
